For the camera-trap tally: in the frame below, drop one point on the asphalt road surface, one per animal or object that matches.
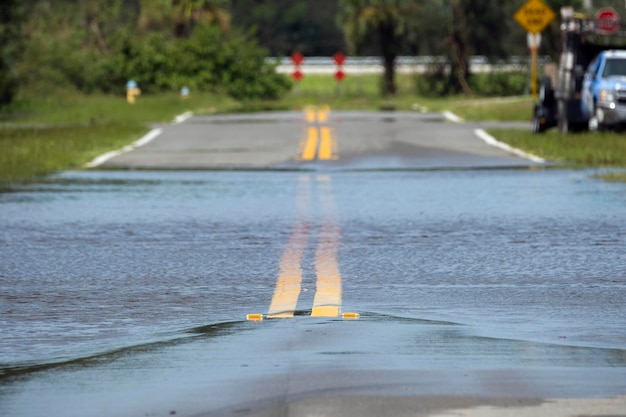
(314, 263)
(320, 139)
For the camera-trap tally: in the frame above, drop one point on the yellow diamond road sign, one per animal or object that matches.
(534, 16)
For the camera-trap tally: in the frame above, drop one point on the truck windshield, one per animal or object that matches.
(615, 66)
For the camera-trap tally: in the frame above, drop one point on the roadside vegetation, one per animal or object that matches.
(39, 137)
(65, 67)
(42, 136)
(603, 151)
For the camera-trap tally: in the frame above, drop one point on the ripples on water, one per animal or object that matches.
(95, 262)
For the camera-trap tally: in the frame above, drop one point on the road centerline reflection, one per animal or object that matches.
(327, 299)
(289, 283)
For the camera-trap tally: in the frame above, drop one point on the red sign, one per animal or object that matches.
(297, 58)
(340, 75)
(607, 21)
(339, 58)
(297, 75)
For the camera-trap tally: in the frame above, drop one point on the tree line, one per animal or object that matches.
(223, 45)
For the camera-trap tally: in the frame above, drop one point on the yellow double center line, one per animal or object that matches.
(319, 142)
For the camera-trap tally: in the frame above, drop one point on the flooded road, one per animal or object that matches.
(125, 293)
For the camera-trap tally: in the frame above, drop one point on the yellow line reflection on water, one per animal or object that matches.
(288, 285)
(327, 300)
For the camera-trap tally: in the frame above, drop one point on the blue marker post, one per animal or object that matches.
(184, 92)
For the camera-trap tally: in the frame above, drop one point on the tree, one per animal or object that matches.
(383, 20)
(285, 26)
(192, 12)
(455, 30)
(551, 37)
(12, 14)
(180, 17)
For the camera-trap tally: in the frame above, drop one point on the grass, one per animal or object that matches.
(582, 150)
(31, 152)
(517, 109)
(362, 92)
(42, 136)
(108, 109)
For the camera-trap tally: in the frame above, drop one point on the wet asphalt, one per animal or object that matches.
(485, 283)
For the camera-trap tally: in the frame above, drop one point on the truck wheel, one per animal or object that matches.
(594, 125)
(536, 126)
(597, 120)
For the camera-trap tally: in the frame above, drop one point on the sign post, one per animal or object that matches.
(534, 42)
(534, 16)
(297, 58)
(339, 59)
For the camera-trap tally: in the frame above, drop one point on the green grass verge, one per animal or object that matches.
(31, 152)
(40, 137)
(362, 92)
(519, 109)
(583, 150)
(101, 109)
(43, 136)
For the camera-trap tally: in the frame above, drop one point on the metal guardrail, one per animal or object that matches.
(404, 64)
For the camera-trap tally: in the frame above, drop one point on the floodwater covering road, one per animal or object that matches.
(484, 283)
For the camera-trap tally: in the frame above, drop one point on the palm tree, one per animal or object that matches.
(192, 12)
(384, 19)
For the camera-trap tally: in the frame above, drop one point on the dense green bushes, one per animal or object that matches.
(481, 84)
(499, 84)
(208, 60)
(205, 61)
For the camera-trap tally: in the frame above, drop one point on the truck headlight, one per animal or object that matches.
(607, 96)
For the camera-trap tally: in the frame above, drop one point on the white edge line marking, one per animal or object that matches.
(490, 140)
(182, 117)
(452, 117)
(147, 138)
